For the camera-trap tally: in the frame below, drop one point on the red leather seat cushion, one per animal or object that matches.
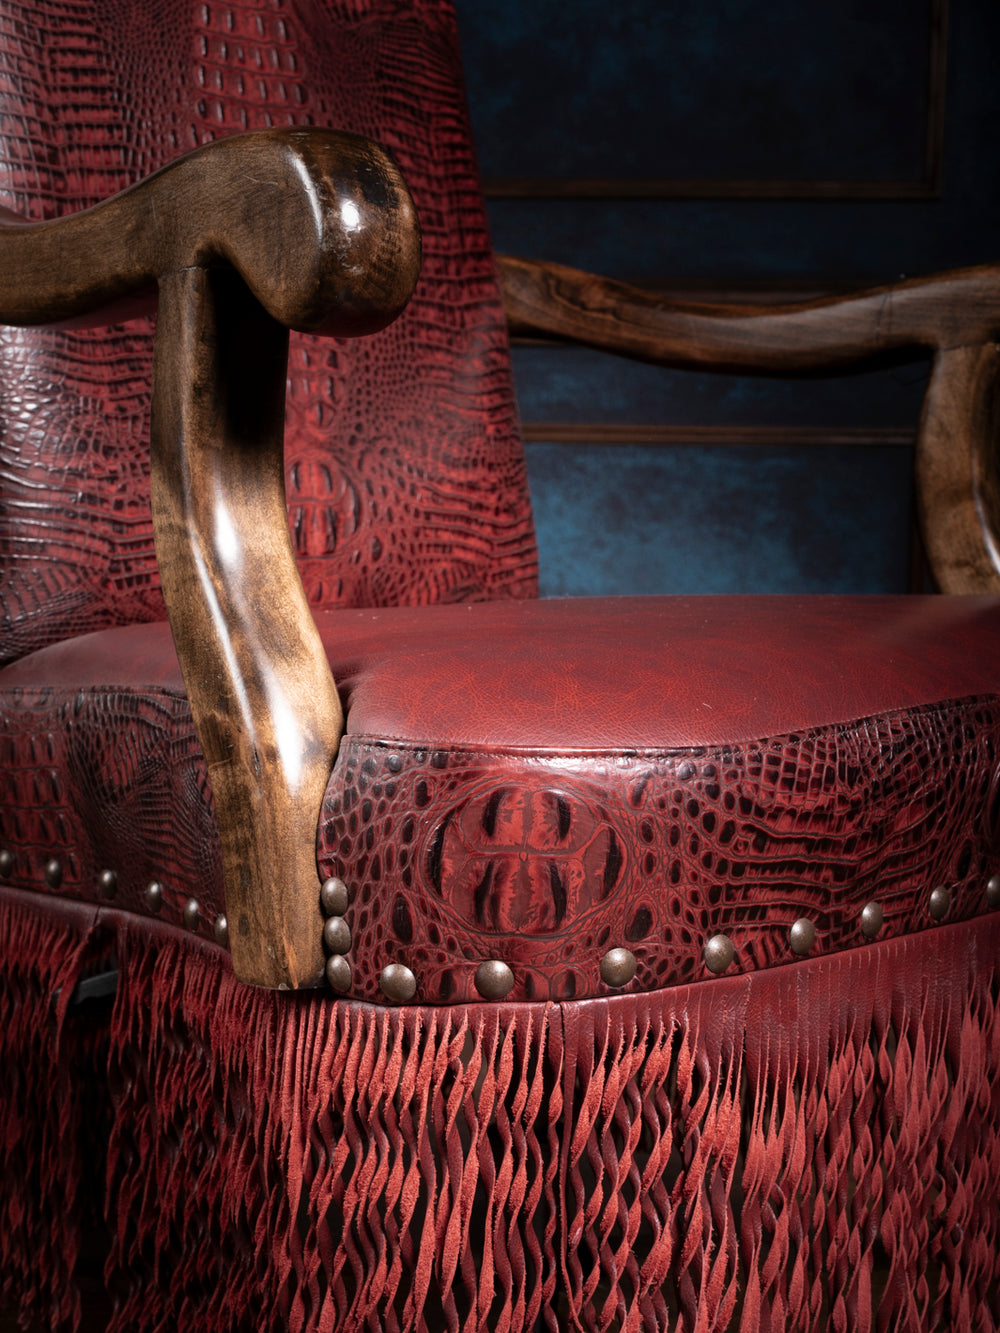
(661, 672)
(539, 782)
(610, 671)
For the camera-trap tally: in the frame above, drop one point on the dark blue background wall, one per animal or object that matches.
(735, 148)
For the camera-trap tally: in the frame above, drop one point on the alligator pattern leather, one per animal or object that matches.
(103, 779)
(405, 471)
(542, 856)
(548, 860)
(543, 859)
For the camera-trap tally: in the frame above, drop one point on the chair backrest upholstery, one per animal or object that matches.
(405, 470)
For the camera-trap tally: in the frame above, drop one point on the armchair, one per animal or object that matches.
(644, 950)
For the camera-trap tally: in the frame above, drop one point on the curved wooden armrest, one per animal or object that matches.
(948, 310)
(956, 315)
(234, 244)
(319, 225)
(306, 229)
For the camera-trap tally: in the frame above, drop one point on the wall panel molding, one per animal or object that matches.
(925, 186)
(628, 433)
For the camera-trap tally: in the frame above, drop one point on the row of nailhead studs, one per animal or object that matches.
(153, 898)
(719, 952)
(494, 979)
(107, 882)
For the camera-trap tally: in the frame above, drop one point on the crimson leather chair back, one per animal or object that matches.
(92, 101)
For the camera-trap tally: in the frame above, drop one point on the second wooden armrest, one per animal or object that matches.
(955, 315)
(946, 310)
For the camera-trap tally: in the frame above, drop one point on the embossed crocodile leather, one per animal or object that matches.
(472, 842)
(795, 1146)
(546, 861)
(405, 474)
(109, 779)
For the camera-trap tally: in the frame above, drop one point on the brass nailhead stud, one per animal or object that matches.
(53, 873)
(6, 862)
(338, 973)
(108, 883)
(719, 953)
(221, 930)
(337, 935)
(618, 967)
(153, 894)
(192, 914)
(398, 982)
(334, 897)
(992, 889)
(802, 936)
(871, 920)
(494, 979)
(940, 901)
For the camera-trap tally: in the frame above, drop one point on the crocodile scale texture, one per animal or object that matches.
(109, 780)
(405, 472)
(542, 859)
(546, 861)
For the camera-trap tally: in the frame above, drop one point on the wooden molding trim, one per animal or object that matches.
(623, 432)
(580, 187)
(928, 186)
(937, 72)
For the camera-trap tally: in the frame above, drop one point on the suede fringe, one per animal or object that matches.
(51, 1125)
(812, 1147)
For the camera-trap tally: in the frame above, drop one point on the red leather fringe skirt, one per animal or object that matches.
(815, 1146)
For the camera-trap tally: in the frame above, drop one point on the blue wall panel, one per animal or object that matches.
(561, 384)
(632, 519)
(731, 88)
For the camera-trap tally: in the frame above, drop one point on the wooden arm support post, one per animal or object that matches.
(264, 702)
(954, 315)
(241, 240)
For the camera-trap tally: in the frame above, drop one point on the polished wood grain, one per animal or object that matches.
(237, 243)
(955, 315)
(958, 469)
(320, 225)
(264, 702)
(948, 310)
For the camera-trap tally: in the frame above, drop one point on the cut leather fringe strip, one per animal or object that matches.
(51, 1128)
(816, 1146)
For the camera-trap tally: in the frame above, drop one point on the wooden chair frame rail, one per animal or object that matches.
(947, 310)
(320, 226)
(955, 315)
(236, 243)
